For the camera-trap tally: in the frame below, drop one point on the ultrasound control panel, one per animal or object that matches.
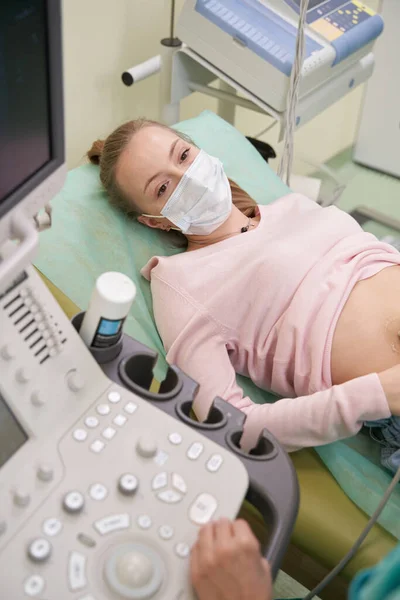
(102, 490)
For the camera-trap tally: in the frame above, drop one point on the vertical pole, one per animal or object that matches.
(169, 111)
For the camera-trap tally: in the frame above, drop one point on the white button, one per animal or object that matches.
(41, 326)
(97, 446)
(119, 420)
(195, 450)
(146, 446)
(166, 532)
(159, 481)
(34, 308)
(175, 438)
(112, 523)
(22, 375)
(203, 509)
(114, 397)
(109, 433)
(37, 399)
(179, 483)
(130, 408)
(39, 550)
(34, 585)
(21, 497)
(38, 317)
(77, 571)
(75, 381)
(28, 301)
(52, 527)
(144, 522)
(128, 484)
(73, 502)
(45, 472)
(91, 422)
(80, 435)
(50, 342)
(169, 497)
(52, 352)
(161, 458)
(23, 292)
(8, 352)
(97, 491)
(182, 550)
(214, 463)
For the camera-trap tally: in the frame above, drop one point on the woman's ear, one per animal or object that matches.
(154, 223)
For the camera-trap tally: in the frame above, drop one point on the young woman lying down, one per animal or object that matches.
(297, 297)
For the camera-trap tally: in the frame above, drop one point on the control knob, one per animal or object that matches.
(23, 375)
(146, 447)
(8, 352)
(21, 497)
(75, 381)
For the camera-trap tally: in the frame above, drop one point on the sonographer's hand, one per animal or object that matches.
(226, 563)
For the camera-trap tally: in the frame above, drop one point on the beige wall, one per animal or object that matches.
(103, 37)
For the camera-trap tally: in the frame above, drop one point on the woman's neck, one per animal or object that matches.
(232, 226)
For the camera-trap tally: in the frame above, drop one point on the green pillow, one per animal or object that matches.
(89, 236)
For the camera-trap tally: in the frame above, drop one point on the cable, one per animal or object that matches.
(358, 542)
(285, 166)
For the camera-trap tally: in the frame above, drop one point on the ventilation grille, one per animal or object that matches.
(38, 329)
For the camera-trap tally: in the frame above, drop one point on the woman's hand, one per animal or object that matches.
(390, 381)
(226, 564)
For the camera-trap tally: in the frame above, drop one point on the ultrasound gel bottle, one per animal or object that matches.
(109, 306)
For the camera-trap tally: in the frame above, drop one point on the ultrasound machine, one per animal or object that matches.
(104, 484)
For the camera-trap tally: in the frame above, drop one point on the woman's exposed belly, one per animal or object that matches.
(366, 339)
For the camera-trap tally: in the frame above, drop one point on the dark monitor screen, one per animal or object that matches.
(25, 140)
(12, 436)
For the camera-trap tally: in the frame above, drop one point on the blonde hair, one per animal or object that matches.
(106, 153)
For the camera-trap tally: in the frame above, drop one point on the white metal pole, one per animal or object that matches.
(169, 111)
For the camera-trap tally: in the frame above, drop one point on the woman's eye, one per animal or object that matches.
(185, 154)
(162, 190)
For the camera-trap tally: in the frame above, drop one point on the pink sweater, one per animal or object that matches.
(265, 304)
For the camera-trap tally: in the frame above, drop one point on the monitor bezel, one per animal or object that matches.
(56, 110)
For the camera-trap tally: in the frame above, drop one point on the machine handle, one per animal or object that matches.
(23, 229)
(274, 491)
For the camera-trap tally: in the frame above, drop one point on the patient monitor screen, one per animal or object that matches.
(24, 101)
(12, 436)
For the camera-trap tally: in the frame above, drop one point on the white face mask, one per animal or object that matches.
(202, 200)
